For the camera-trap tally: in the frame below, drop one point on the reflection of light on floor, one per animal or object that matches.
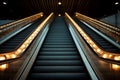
(3, 67)
(116, 67)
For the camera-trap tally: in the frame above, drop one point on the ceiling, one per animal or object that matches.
(16, 9)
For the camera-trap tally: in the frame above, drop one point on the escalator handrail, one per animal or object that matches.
(101, 53)
(111, 31)
(10, 35)
(91, 70)
(29, 61)
(10, 27)
(103, 35)
(19, 21)
(97, 21)
(17, 53)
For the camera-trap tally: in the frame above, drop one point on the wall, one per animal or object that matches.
(5, 21)
(112, 19)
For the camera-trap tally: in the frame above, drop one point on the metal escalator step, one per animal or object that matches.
(58, 46)
(105, 44)
(58, 49)
(8, 44)
(56, 57)
(59, 43)
(110, 47)
(55, 41)
(8, 48)
(113, 50)
(58, 63)
(58, 53)
(15, 41)
(58, 37)
(2, 51)
(58, 34)
(59, 76)
(60, 69)
(64, 36)
(52, 38)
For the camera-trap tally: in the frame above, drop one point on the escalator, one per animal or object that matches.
(100, 41)
(18, 39)
(58, 58)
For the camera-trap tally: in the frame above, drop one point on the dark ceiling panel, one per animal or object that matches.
(22, 8)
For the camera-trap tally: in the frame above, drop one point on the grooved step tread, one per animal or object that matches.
(56, 57)
(58, 46)
(58, 53)
(59, 49)
(60, 69)
(58, 62)
(59, 76)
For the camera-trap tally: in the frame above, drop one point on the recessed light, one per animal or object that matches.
(59, 14)
(116, 3)
(4, 3)
(59, 3)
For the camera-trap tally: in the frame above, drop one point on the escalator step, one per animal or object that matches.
(58, 43)
(58, 62)
(59, 76)
(56, 57)
(53, 69)
(58, 49)
(58, 46)
(58, 53)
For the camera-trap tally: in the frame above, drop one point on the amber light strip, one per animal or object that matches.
(111, 31)
(101, 53)
(97, 21)
(23, 47)
(19, 22)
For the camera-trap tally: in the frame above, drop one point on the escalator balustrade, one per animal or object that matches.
(14, 42)
(103, 43)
